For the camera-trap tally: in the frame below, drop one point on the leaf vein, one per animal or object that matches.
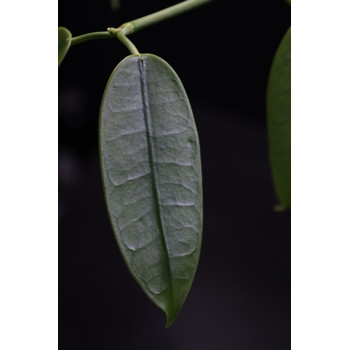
(148, 124)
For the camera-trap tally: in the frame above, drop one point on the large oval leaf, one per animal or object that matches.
(278, 115)
(64, 40)
(151, 174)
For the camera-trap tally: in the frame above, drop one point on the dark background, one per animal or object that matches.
(240, 298)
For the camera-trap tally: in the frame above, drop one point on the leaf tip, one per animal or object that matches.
(169, 321)
(172, 313)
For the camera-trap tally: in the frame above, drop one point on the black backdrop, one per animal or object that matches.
(240, 298)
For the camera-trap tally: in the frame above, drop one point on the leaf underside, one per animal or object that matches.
(278, 117)
(150, 160)
(64, 40)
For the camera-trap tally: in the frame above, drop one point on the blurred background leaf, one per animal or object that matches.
(278, 120)
(115, 5)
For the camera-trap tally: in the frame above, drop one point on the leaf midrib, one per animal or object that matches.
(150, 146)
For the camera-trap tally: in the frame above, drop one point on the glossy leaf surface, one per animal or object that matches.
(151, 172)
(64, 40)
(278, 115)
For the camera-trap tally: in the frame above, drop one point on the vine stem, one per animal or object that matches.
(140, 23)
(90, 36)
(163, 15)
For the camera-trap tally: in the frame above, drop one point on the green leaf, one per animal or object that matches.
(278, 118)
(151, 172)
(64, 40)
